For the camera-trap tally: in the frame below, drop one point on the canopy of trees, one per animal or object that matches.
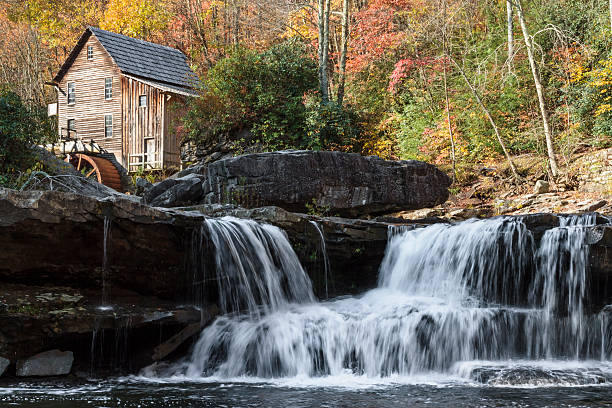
(449, 81)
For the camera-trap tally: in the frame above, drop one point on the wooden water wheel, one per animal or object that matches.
(96, 168)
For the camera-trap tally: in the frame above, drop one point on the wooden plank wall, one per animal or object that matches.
(141, 123)
(175, 110)
(90, 107)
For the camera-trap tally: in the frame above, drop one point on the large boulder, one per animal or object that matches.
(4, 363)
(49, 363)
(336, 183)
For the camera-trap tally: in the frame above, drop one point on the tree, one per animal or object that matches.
(24, 62)
(21, 127)
(256, 98)
(446, 98)
(344, 50)
(141, 19)
(324, 11)
(538, 85)
(510, 32)
(489, 117)
(610, 7)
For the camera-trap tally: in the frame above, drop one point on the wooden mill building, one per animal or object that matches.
(126, 95)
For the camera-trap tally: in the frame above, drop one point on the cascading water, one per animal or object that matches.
(479, 299)
(257, 269)
(326, 267)
(105, 273)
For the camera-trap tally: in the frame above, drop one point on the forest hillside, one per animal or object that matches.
(514, 90)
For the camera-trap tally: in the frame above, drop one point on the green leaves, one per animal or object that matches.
(20, 128)
(261, 93)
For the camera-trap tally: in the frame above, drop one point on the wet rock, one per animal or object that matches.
(335, 183)
(186, 190)
(48, 363)
(158, 189)
(4, 363)
(541, 187)
(142, 186)
(56, 237)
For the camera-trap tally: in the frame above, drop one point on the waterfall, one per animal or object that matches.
(327, 269)
(257, 269)
(462, 299)
(105, 304)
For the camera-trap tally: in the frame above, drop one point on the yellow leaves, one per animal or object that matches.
(600, 80)
(300, 23)
(603, 108)
(138, 19)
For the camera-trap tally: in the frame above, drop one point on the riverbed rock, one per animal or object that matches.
(50, 236)
(48, 363)
(4, 363)
(186, 190)
(333, 183)
(142, 186)
(541, 187)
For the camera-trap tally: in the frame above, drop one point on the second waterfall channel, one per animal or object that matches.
(480, 301)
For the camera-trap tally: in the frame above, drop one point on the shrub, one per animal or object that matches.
(257, 94)
(21, 127)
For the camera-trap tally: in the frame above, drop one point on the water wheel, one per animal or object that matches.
(96, 168)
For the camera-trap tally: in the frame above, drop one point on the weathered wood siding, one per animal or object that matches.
(142, 126)
(175, 109)
(90, 106)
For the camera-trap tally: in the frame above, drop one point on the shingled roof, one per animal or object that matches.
(140, 59)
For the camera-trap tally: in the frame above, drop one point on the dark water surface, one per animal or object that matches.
(135, 393)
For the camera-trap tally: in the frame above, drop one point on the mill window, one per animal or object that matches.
(71, 93)
(108, 125)
(71, 127)
(108, 88)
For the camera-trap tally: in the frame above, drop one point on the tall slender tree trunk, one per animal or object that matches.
(538, 85)
(321, 35)
(510, 25)
(610, 6)
(489, 117)
(446, 98)
(343, 51)
(323, 69)
(450, 125)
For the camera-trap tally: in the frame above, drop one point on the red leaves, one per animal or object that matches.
(404, 67)
(378, 31)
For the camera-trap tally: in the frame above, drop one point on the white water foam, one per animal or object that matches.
(480, 291)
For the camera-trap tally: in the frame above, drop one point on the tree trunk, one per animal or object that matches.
(510, 24)
(321, 35)
(450, 126)
(345, 39)
(610, 15)
(488, 115)
(447, 100)
(538, 85)
(323, 69)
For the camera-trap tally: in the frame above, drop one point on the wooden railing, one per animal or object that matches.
(145, 161)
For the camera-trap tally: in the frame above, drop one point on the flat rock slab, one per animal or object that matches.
(4, 363)
(49, 363)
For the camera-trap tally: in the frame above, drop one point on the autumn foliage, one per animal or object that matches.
(399, 71)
